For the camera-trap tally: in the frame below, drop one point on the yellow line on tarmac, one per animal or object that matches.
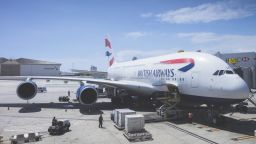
(243, 138)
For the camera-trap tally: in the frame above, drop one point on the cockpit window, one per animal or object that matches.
(221, 72)
(229, 72)
(216, 73)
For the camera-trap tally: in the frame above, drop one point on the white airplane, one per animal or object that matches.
(198, 78)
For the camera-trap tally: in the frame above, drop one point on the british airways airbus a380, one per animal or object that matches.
(199, 78)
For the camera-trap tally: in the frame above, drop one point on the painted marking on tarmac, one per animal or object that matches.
(243, 138)
(203, 126)
(191, 133)
(213, 130)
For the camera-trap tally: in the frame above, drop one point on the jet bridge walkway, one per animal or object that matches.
(252, 98)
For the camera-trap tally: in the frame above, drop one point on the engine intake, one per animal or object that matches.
(87, 95)
(27, 90)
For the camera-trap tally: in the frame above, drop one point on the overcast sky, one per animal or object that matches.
(72, 32)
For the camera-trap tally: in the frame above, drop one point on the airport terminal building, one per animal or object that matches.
(28, 67)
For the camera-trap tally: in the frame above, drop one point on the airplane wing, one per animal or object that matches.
(132, 85)
(123, 84)
(23, 78)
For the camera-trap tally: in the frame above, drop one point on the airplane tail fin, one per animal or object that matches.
(109, 52)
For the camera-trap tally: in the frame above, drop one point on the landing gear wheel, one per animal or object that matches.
(242, 109)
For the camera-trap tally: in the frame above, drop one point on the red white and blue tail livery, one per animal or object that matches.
(109, 52)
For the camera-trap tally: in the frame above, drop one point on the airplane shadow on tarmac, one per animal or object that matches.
(243, 127)
(29, 109)
(246, 127)
(95, 109)
(90, 111)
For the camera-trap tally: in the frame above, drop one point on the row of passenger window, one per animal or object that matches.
(222, 72)
(181, 79)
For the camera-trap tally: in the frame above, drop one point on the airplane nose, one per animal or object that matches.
(240, 88)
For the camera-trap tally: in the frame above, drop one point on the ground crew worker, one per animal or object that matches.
(69, 93)
(190, 117)
(100, 121)
(54, 121)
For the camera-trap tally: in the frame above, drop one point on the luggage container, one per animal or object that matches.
(116, 114)
(122, 114)
(134, 123)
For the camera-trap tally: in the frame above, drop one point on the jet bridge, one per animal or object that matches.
(252, 98)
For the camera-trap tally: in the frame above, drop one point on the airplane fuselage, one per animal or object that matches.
(199, 77)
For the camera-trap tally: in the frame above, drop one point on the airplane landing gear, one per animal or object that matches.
(216, 120)
(116, 101)
(242, 107)
(214, 116)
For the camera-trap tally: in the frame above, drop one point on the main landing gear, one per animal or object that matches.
(119, 97)
(241, 107)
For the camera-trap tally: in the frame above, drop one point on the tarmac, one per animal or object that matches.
(19, 117)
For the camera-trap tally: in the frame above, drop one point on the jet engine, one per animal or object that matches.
(87, 95)
(27, 90)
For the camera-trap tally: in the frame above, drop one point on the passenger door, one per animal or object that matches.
(194, 79)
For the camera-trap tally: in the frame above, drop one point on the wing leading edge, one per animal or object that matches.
(141, 87)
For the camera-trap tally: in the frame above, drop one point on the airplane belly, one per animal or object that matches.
(210, 93)
(194, 99)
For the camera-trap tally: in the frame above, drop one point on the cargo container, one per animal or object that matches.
(134, 123)
(116, 114)
(122, 114)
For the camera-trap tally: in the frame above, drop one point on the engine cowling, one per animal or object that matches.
(27, 90)
(87, 95)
